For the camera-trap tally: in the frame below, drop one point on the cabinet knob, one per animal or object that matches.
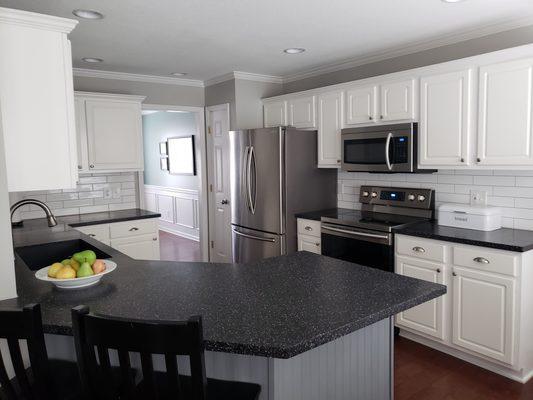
(154, 239)
(79, 166)
(92, 235)
(438, 270)
(338, 161)
(381, 117)
(370, 117)
(419, 249)
(91, 166)
(308, 228)
(224, 201)
(317, 244)
(478, 159)
(481, 260)
(454, 274)
(462, 160)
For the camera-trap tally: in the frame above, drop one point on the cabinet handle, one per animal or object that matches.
(462, 160)
(381, 117)
(308, 228)
(338, 161)
(91, 166)
(370, 117)
(79, 166)
(438, 270)
(92, 235)
(134, 229)
(419, 249)
(481, 260)
(317, 244)
(454, 274)
(478, 159)
(154, 239)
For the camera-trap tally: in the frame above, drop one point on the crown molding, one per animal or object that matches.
(413, 48)
(35, 20)
(124, 76)
(248, 76)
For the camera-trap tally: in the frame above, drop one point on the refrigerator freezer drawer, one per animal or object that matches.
(250, 245)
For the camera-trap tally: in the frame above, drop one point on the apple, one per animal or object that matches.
(99, 266)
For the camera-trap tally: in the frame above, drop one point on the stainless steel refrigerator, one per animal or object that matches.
(274, 175)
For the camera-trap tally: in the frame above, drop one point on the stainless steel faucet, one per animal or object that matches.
(49, 216)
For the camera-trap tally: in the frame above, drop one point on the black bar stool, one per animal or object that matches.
(45, 379)
(147, 338)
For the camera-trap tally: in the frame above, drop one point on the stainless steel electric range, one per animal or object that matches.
(366, 236)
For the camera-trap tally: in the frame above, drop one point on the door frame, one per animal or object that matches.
(217, 107)
(201, 165)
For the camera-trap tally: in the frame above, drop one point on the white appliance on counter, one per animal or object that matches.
(481, 218)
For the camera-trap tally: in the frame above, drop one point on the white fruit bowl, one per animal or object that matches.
(76, 283)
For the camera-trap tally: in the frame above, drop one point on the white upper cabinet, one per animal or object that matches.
(275, 114)
(361, 105)
(302, 112)
(330, 114)
(37, 97)
(113, 131)
(505, 131)
(445, 119)
(397, 101)
(81, 130)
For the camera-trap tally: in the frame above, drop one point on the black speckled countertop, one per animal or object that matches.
(317, 215)
(278, 307)
(502, 239)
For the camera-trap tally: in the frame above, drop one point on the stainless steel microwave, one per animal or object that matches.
(380, 148)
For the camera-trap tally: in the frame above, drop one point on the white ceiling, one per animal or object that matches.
(209, 38)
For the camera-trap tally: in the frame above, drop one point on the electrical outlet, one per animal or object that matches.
(478, 197)
(108, 194)
(116, 190)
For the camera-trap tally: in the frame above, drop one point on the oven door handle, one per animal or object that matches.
(387, 155)
(356, 233)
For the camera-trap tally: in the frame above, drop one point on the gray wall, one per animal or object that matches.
(221, 93)
(156, 93)
(158, 127)
(249, 108)
(468, 48)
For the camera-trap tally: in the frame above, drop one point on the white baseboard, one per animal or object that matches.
(518, 376)
(173, 229)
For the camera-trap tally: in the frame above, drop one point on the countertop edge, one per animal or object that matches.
(113, 220)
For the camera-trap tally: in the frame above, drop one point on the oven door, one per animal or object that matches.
(360, 246)
(384, 151)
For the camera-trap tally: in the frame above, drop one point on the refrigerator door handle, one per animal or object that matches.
(251, 199)
(263, 239)
(245, 176)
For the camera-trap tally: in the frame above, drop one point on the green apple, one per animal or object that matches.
(85, 256)
(85, 270)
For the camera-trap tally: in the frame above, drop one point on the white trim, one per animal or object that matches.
(110, 96)
(169, 228)
(248, 76)
(410, 49)
(124, 76)
(170, 190)
(161, 107)
(36, 20)
(219, 79)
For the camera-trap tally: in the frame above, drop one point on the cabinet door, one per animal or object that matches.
(275, 114)
(114, 135)
(145, 247)
(81, 134)
(445, 119)
(427, 318)
(309, 243)
(361, 105)
(302, 112)
(484, 313)
(505, 130)
(397, 100)
(330, 113)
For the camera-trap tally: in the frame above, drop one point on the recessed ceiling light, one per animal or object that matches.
(294, 50)
(92, 60)
(88, 14)
(178, 73)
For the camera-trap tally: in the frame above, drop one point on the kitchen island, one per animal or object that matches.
(303, 326)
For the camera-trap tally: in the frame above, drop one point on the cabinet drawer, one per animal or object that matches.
(98, 232)
(308, 227)
(139, 247)
(500, 262)
(419, 248)
(133, 228)
(309, 243)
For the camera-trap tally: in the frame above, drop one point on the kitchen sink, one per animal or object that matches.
(41, 255)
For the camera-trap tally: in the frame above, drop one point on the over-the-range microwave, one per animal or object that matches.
(381, 148)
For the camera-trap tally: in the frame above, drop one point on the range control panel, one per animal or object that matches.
(399, 197)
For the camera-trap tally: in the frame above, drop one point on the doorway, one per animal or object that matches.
(173, 182)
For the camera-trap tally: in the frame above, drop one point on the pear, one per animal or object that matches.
(85, 270)
(85, 256)
(74, 264)
(99, 266)
(67, 272)
(66, 261)
(54, 269)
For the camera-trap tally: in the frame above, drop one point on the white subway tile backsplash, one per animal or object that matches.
(510, 190)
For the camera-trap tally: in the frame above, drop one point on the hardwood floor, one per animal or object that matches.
(422, 373)
(176, 248)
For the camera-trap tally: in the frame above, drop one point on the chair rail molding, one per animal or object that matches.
(178, 208)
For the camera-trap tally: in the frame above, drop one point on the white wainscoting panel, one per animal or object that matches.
(178, 209)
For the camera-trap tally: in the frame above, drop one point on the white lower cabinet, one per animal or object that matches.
(428, 317)
(138, 239)
(485, 315)
(309, 235)
(309, 243)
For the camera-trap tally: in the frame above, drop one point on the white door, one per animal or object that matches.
(397, 100)
(219, 183)
(114, 135)
(445, 119)
(330, 112)
(361, 105)
(81, 132)
(427, 318)
(302, 112)
(309, 243)
(505, 130)
(275, 114)
(484, 313)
